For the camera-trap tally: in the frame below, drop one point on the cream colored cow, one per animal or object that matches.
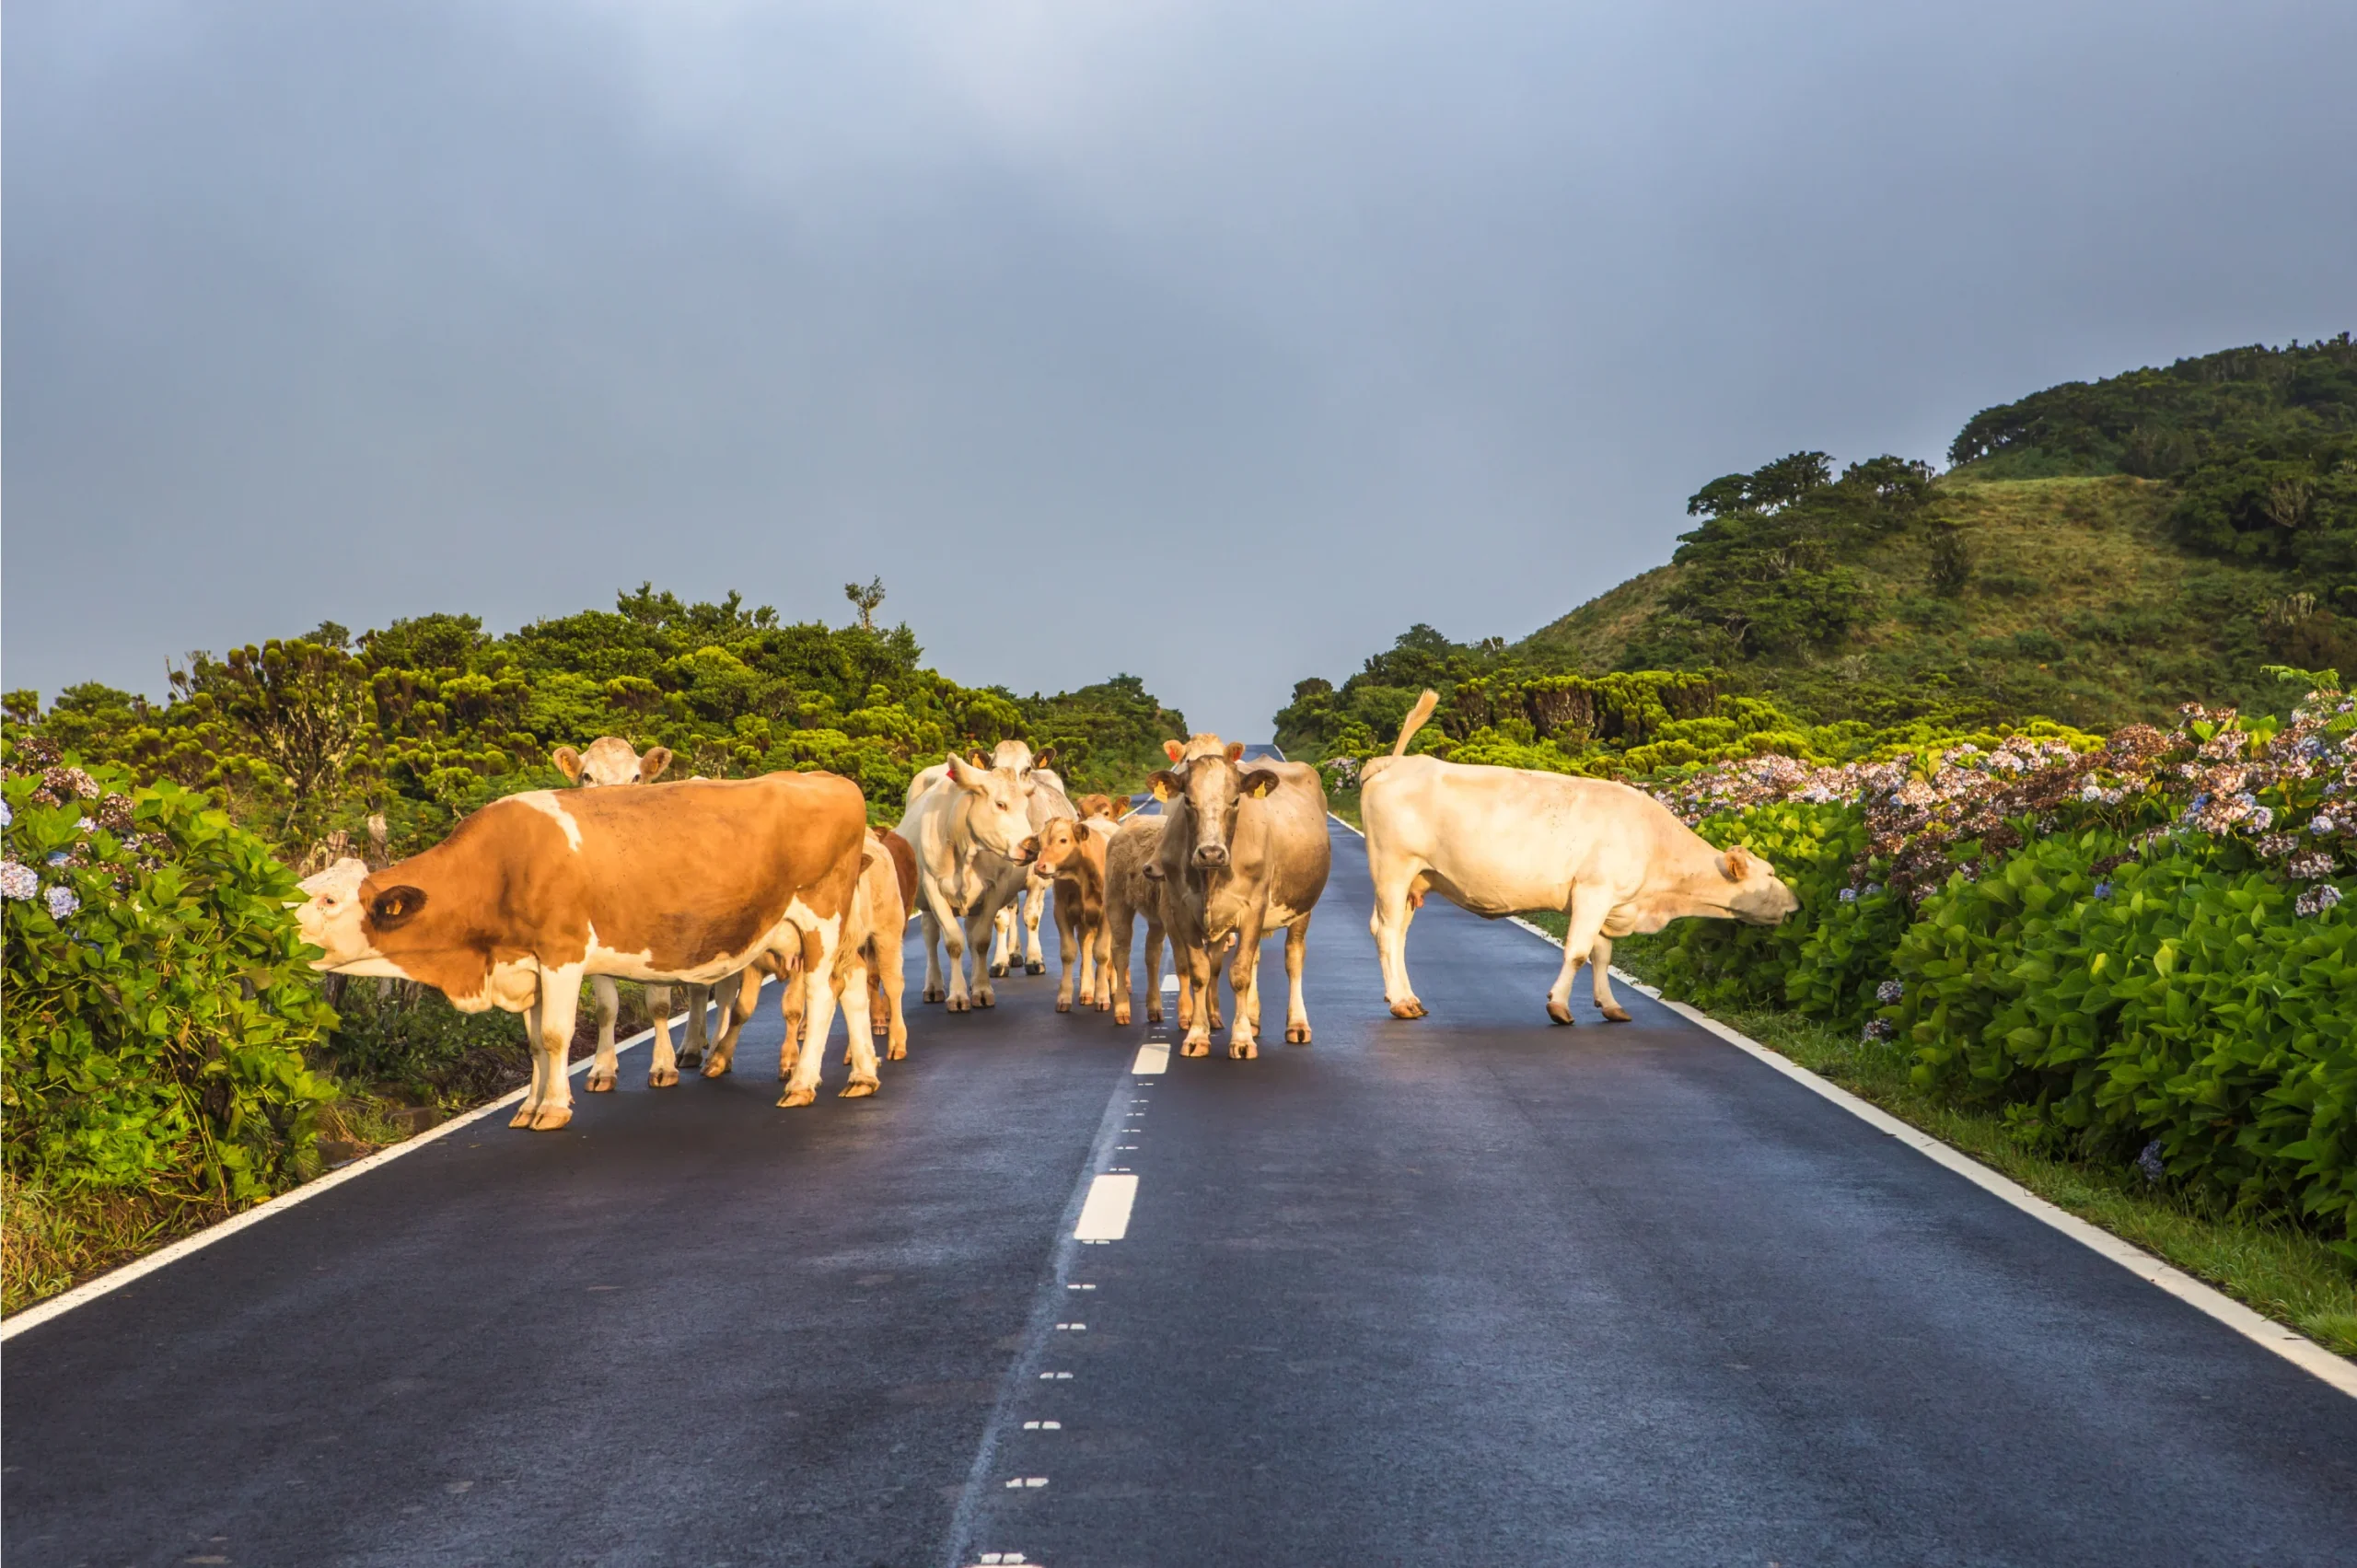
(967, 832)
(1500, 841)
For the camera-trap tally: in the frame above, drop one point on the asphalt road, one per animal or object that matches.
(1469, 1290)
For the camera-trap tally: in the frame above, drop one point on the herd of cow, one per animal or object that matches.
(717, 884)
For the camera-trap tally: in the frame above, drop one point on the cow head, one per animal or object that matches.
(1758, 898)
(1212, 787)
(1104, 807)
(996, 813)
(346, 912)
(609, 761)
(1056, 845)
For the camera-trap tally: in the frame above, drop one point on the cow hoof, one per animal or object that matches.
(662, 1077)
(548, 1119)
(715, 1067)
(1153, 1016)
(1410, 1008)
(1615, 1013)
(859, 1089)
(599, 1082)
(1196, 1048)
(1243, 1051)
(1101, 1005)
(1062, 1005)
(522, 1117)
(958, 1004)
(690, 1060)
(897, 1053)
(985, 999)
(1559, 1012)
(1121, 1014)
(1035, 969)
(794, 1098)
(932, 993)
(998, 971)
(1296, 1034)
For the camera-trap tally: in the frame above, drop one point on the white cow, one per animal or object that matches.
(1045, 801)
(1498, 841)
(967, 832)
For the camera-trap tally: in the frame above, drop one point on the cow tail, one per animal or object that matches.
(1416, 717)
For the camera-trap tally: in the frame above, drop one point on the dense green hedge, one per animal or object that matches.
(2142, 951)
(158, 1007)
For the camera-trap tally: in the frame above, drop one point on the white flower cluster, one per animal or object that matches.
(18, 882)
(62, 902)
(2316, 899)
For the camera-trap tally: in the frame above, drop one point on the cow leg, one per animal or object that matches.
(929, 928)
(1297, 1010)
(1034, 960)
(886, 966)
(560, 1003)
(1243, 1041)
(1394, 908)
(1586, 917)
(1118, 917)
(603, 1066)
(1153, 969)
(531, 1100)
(1003, 940)
(1067, 954)
(699, 1001)
(794, 1007)
(860, 1053)
(738, 994)
(953, 933)
(1202, 973)
(819, 972)
(1099, 943)
(1208, 998)
(1600, 959)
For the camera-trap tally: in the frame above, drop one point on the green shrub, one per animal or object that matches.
(159, 1003)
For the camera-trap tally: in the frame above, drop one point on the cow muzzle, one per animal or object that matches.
(1211, 854)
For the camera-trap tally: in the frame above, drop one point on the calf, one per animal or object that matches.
(1072, 856)
(1243, 850)
(534, 893)
(1498, 841)
(1133, 887)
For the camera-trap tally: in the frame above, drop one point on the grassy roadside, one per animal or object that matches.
(2268, 1266)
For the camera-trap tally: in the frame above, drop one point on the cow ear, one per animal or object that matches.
(1236, 751)
(1174, 749)
(1043, 757)
(978, 760)
(1080, 831)
(1030, 846)
(395, 907)
(568, 762)
(1736, 865)
(1166, 785)
(1122, 805)
(651, 766)
(1259, 782)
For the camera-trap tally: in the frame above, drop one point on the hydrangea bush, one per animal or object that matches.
(157, 1003)
(2137, 943)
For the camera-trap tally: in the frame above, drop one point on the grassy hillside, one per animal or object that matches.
(2067, 598)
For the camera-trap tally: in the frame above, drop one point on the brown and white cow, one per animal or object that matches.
(1243, 850)
(1133, 889)
(533, 893)
(968, 833)
(610, 761)
(1498, 841)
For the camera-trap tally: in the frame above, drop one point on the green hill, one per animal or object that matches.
(2101, 553)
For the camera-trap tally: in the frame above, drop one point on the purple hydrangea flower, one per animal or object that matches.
(62, 902)
(1890, 991)
(2150, 1163)
(18, 882)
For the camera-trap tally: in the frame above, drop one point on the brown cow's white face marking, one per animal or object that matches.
(331, 920)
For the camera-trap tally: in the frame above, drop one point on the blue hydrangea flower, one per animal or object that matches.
(1890, 991)
(2103, 890)
(2149, 1162)
(62, 902)
(6, 816)
(1849, 895)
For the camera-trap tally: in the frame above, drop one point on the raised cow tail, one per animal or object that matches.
(1416, 717)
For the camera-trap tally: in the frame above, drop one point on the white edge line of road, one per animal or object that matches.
(2290, 1344)
(115, 1278)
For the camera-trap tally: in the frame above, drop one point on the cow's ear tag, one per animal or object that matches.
(395, 906)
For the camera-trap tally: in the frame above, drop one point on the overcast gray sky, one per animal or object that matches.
(1216, 343)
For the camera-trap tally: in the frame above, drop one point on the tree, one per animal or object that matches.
(866, 600)
(304, 704)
